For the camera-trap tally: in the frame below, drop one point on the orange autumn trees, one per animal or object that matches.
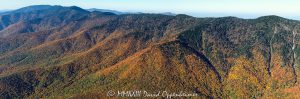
(248, 77)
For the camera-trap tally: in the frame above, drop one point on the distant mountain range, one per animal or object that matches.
(69, 52)
(119, 13)
(106, 10)
(1, 11)
(41, 7)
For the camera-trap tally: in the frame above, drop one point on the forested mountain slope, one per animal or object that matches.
(55, 51)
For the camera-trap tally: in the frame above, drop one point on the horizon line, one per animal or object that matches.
(192, 14)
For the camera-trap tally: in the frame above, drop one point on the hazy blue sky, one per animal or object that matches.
(201, 8)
